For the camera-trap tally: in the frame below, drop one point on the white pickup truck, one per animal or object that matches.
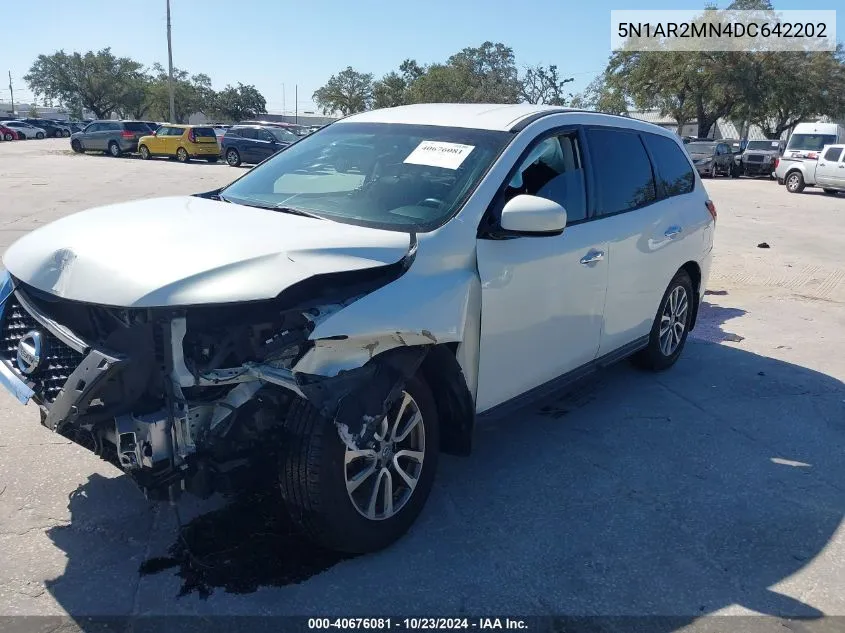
(827, 172)
(804, 162)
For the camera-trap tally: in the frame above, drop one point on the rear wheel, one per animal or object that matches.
(144, 151)
(39, 135)
(671, 325)
(795, 182)
(114, 149)
(361, 501)
(233, 158)
(7, 136)
(76, 146)
(182, 155)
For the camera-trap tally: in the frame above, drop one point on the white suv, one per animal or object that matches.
(345, 326)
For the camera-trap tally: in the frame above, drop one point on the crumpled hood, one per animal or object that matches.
(187, 251)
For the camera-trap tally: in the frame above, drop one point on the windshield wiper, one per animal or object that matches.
(293, 210)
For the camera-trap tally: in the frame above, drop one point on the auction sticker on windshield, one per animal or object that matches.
(439, 154)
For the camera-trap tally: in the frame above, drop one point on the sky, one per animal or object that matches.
(278, 45)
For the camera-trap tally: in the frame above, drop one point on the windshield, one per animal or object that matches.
(813, 142)
(701, 148)
(767, 146)
(390, 176)
(283, 135)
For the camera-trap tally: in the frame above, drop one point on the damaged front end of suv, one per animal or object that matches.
(191, 398)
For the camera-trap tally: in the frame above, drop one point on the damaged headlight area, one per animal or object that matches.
(196, 398)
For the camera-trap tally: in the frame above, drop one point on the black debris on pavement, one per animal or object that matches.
(248, 544)
(763, 245)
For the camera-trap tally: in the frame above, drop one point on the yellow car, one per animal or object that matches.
(182, 142)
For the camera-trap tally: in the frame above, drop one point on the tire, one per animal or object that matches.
(39, 135)
(713, 172)
(65, 133)
(182, 155)
(114, 149)
(233, 158)
(314, 470)
(655, 356)
(795, 182)
(7, 136)
(58, 134)
(212, 160)
(144, 151)
(76, 146)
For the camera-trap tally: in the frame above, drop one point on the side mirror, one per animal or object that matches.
(533, 215)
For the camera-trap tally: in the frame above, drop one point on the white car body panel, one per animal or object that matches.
(189, 251)
(831, 173)
(516, 325)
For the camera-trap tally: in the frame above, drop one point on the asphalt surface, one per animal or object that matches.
(717, 487)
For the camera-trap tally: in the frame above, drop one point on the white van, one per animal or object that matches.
(806, 143)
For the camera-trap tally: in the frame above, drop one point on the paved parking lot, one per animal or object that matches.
(715, 487)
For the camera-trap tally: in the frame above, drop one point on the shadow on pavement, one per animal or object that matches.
(671, 494)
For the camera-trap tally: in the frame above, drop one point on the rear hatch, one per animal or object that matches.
(202, 135)
(135, 130)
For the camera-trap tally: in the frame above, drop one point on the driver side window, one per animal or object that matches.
(554, 170)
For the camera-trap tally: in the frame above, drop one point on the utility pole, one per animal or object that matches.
(170, 68)
(296, 111)
(11, 93)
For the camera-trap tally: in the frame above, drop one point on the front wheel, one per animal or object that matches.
(713, 172)
(671, 325)
(7, 136)
(233, 158)
(76, 146)
(795, 182)
(114, 150)
(39, 135)
(361, 501)
(182, 155)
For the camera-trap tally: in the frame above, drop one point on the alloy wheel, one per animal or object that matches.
(673, 321)
(792, 182)
(381, 480)
(182, 155)
(232, 158)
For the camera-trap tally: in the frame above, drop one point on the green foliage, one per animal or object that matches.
(99, 81)
(347, 92)
(106, 84)
(239, 103)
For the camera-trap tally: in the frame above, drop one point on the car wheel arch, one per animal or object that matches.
(694, 271)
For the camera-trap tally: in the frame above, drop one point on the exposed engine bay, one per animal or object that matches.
(195, 398)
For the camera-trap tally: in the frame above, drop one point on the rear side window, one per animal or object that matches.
(207, 132)
(623, 175)
(674, 172)
(137, 126)
(248, 132)
(833, 154)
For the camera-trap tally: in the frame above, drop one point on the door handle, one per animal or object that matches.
(592, 257)
(672, 231)
(822, 164)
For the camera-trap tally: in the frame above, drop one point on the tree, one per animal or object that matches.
(137, 98)
(191, 93)
(347, 92)
(390, 91)
(98, 80)
(239, 103)
(490, 71)
(601, 96)
(543, 85)
(33, 112)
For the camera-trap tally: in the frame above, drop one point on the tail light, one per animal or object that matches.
(777, 162)
(192, 137)
(127, 134)
(711, 208)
